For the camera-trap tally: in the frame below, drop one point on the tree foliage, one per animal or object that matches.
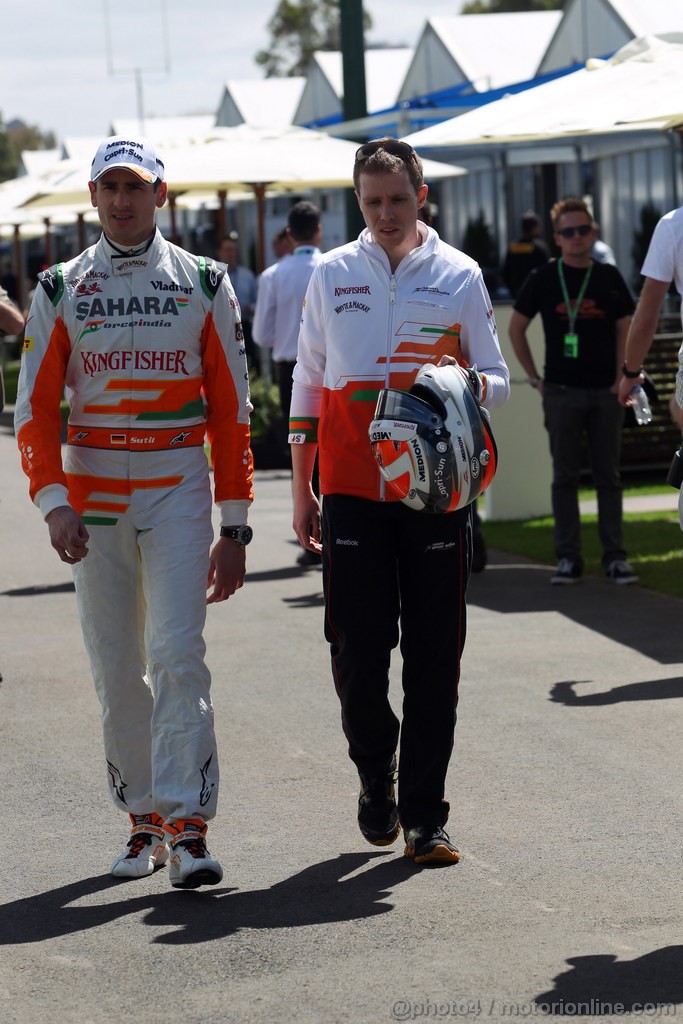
(508, 6)
(297, 30)
(16, 137)
(8, 160)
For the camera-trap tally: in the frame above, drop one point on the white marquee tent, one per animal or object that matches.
(639, 88)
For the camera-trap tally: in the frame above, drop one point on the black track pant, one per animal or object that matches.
(385, 566)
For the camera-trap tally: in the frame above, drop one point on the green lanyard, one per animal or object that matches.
(573, 311)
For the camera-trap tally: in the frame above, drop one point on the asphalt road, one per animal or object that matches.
(565, 788)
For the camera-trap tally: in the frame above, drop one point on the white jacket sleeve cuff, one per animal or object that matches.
(51, 497)
(234, 513)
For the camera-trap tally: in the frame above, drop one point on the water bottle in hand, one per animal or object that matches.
(641, 406)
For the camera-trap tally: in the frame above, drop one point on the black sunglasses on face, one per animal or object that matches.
(393, 146)
(583, 229)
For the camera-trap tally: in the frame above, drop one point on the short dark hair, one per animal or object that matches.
(530, 221)
(569, 205)
(303, 221)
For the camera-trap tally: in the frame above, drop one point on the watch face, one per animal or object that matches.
(244, 535)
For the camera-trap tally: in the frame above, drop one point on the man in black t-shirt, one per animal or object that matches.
(524, 254)
(585, 308)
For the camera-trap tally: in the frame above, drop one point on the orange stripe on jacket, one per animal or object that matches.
(39, 439)
(230, 457)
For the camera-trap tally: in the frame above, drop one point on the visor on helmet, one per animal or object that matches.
(433, 444)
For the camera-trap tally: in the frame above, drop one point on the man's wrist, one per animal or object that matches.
(630, 374)
(534, 380)
(242, 535)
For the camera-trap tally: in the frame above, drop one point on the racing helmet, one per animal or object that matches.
(433, 444)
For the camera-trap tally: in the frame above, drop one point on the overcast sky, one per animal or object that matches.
(54, 63)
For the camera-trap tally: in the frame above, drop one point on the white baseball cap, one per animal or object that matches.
(135, 155)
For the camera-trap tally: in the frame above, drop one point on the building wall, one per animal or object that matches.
(589, 28)
(432, 68)
(318, 99)
(625, 182)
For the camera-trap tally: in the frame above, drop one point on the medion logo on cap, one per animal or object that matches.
(135, 155)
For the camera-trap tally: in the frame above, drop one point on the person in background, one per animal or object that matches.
(243, 281)
(11, 322)
(279, 308)
(129, 507)
(601, 251)
(524, 254)
(282, 246)
(663, 265)
(376, 310)
(8, 282)
(586, 309)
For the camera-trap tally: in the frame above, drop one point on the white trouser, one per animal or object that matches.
(141, 593)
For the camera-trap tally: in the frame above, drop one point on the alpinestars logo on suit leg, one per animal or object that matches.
(118, 785)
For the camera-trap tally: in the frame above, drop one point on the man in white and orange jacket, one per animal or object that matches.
(376, 311)
(147, 341)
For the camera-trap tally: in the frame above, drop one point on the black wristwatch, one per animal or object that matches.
(241, 534)
(631, 374)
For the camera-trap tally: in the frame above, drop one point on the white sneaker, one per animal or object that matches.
(146, 849)
(191, 864)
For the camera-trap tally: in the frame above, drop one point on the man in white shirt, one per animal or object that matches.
(279, 303)
(243, 281)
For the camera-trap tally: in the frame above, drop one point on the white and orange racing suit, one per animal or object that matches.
(149, 348)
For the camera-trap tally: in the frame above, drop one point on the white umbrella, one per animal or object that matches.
(245, 157)
(240, 158)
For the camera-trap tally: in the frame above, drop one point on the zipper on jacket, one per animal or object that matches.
(387, 372)
(390, 335)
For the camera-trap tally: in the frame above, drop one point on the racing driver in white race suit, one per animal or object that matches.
(147, 340)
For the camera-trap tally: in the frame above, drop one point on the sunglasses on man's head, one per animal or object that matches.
(393, 146)
(583, 229)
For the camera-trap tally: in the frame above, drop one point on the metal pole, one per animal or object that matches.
(19, 269)
(140, 99)
(260, 194)
(355, 102)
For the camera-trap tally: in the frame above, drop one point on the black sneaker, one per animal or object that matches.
(566, 572)
(620, 572)
(429, 844)
(377, 810)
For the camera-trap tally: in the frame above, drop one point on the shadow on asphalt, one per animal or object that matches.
(288, 572)
(657, 689)
(319, 894)
(654, 979)
(40, 589)
(647, 622)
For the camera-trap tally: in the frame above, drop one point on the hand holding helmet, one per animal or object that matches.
(433, 444)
